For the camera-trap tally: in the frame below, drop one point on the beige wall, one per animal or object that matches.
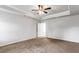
(65, 28)
(14, 28)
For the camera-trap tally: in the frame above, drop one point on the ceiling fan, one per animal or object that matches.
(42, 9)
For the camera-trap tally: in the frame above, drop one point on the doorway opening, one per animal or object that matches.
(42, 29)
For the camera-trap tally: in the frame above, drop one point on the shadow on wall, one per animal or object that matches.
(72, 33)
(65, 28)
(8, 31)
(15, 28)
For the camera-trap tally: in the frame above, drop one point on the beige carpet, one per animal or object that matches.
(41, 45)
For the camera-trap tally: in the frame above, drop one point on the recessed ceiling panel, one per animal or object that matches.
(54, 8)
(27, 10)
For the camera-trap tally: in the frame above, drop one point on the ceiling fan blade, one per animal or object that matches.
(47, 8)
(39, 6)
(45, 12)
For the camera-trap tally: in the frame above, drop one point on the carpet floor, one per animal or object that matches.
(41, 45)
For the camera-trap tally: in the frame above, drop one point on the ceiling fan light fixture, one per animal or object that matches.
(42, 9)
(40, 12)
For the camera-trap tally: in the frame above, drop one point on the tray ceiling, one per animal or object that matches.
(56, 10)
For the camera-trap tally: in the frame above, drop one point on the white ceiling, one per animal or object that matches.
(56, 11)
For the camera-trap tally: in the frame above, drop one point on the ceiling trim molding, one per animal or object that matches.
(10, 6)
(8, 11)
(14, 13)
(23, 11)
(64, 13)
